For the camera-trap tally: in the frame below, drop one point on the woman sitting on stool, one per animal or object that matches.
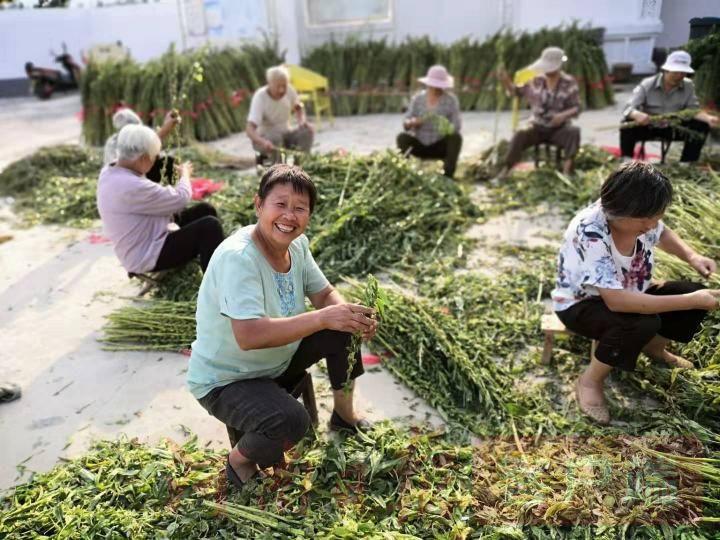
(254, 338)
(149, 226)
(604, 290)
(164, 165)
(432, 122)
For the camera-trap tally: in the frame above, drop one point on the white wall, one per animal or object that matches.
(147, 29)
(28, 35)
(676, 15)
(447, 21)
(631, 26)
(443, 21)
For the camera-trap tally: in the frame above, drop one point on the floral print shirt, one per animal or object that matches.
(546, 103)
(286, 291)
(429, 131)
(588, 259)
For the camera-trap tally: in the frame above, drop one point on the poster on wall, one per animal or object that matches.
(214, 18)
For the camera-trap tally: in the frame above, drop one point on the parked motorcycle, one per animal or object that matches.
(45, 81)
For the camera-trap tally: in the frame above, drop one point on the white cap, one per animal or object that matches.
(678, 61)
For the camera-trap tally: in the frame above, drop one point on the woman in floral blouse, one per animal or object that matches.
(605, 290)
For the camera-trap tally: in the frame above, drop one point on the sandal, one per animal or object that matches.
(338, 424)
(9, 392)
(232, 476)
(598, 413)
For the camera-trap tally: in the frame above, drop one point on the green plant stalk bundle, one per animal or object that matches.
(371, 76)
(388, 483)
(209, 88)
(706, 62)
(373, 297)
(673, 121)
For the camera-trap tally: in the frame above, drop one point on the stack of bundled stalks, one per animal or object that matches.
(210, 110)
(370, 76)
(706, 62)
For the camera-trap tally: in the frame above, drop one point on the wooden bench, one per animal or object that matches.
(552, 326)
(303, 388)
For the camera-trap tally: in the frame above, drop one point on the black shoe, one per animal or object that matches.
(232, 476)
(338, 424)
(9, 392)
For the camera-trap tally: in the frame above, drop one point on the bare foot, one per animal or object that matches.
(244, 468)
(674, 360)
(591, 400)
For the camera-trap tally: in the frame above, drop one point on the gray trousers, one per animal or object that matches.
(567, 137)
(270, 419)
(300, 138)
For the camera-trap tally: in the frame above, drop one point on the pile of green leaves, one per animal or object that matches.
(373, 212)
(24, 176)
(372, 76)
(388, 483)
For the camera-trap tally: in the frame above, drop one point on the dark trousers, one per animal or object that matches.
(447, 149)
(691, 149)
(270, 419)
(566, 137)
(163, 166)
(200, 233)
(622, 336)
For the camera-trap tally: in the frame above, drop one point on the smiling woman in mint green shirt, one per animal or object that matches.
(254, 338)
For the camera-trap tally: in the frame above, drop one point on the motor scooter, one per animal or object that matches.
(45, 81)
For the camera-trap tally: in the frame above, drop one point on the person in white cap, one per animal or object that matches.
(669, 91)
(432, 122)
(554, 99)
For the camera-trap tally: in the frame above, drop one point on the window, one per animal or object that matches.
(347, 12)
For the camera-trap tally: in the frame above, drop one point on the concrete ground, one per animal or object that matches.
(57, 285)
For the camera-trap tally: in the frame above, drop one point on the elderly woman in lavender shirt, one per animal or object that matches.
(148, 223)
(432, 122)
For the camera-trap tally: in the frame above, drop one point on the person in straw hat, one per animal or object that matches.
(554, 99)
(432, 122)
(669, 91)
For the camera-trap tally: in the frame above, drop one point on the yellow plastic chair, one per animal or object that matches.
(521, 77)
(312, 87)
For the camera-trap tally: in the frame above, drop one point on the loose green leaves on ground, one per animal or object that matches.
(388, 483)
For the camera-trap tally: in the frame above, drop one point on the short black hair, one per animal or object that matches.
(288, 174)
(636, 190)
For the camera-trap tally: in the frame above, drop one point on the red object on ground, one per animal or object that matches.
(96, 238)
(202, 187)
(186, 352)
(615, 151)
(370, 359)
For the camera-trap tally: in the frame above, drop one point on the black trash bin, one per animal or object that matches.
(702, 26)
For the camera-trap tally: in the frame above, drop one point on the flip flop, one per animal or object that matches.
(232, 476)
(9, 392)
(338, 424)
(598, 413)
